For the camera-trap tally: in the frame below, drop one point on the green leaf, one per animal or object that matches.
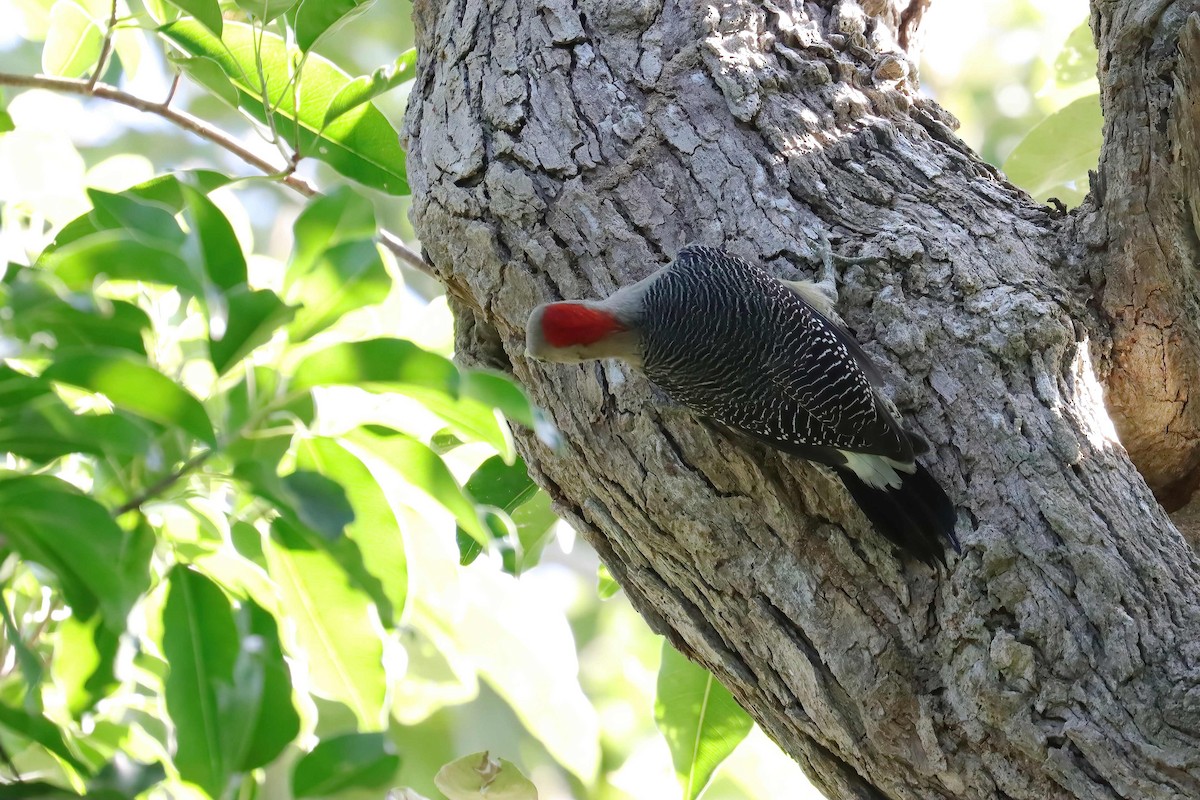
(135, 387)
(499, 392)
(200, 642)
(99, 565)
(30, 664)
(347, 276)
(333, 625)
(253, 316)
(340, 216)
(350, 761)
(424, 470)
(208, 12)
(700, 720)
(211, 241)
(73, 42)
(80, 319)
(308, 498)
(393, 365)
(314, 18)
(276, 722)
(84, 661)
(146, 220)
(266, 10)
(118, 255)
(1076, 62)
(375, 528)
(44, 429)
(37, 728)
(481, 777)
(360, 144)
(607, 585)
(509, 489)
(208, 73)
(6, 122)
(366, 88)
(1054, 158)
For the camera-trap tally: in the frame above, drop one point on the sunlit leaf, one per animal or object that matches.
(309, 498)
(343, 215)
(314, 18)
(700, 720)
(1076, 62)
(266, 10)
(208, 73)
(499, 392)
(44, 429)
(345, 277)
(350, 761)
(360, 144)
(607, 585)
(37, 728)
(84, 662)
(208, 12)
(117, 255)
(6, 122)
(276, 722)
(253, 316)
(375, 527)
(136, 387)
(29, 663)
(481, 777)
(73, 42)
(383, 364)
(423, 469)
(200, 643)
(99, 565)
(1054, 158)
(508, 488)
(333, 625)
(143, 219)
(211, 242)
(366, 88)
(41, 315)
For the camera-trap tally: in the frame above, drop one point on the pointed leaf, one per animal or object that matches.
(277, 722)
(700, 720)
(254, 315)
(375, 527)
(345, 277)
(73, 42)
(314, 18)
(200, 643)
(343, 215)
(211, 242)
(1054, 158)
(117, 255)
(135, 387)
(366, 88)
(266, 10)
(208, 12)
(333, 625)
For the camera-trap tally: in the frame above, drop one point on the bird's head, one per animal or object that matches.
(571, 332)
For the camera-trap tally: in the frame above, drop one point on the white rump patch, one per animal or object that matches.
(878, 472)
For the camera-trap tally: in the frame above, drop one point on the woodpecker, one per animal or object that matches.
(762, 356)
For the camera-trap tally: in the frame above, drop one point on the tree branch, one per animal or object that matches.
(1137, 235)
(205, 131)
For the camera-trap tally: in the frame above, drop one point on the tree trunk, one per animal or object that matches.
(563, 148)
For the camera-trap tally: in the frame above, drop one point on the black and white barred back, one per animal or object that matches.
(788, 379)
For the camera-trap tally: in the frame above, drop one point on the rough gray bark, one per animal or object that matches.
(560, 149)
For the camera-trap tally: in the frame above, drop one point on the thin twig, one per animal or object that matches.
(200, 128)
(166, 482)
(106, 48)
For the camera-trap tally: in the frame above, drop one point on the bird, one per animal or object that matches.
(763, 357)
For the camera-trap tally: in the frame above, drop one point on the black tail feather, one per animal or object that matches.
(916, 517)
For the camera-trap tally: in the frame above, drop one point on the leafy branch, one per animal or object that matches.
(204, 130)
